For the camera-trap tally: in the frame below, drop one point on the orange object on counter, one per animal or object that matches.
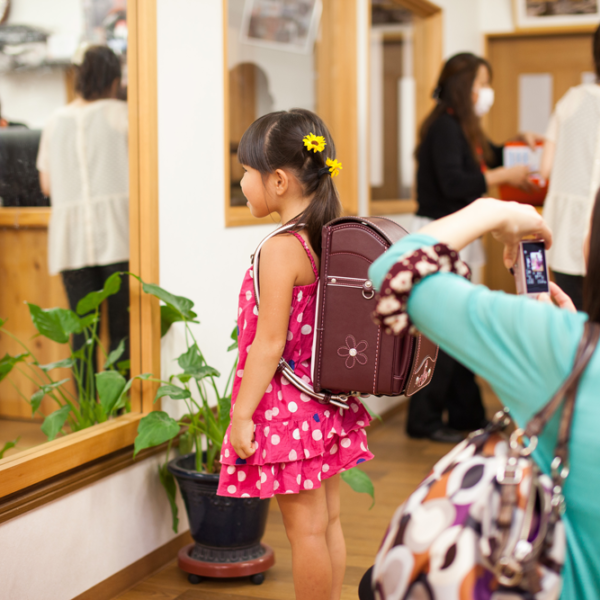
(525, 156)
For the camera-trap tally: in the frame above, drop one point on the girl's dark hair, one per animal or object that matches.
(274, 141)
(596, 50)
(454, 95)
(97, 72)
(591, 283)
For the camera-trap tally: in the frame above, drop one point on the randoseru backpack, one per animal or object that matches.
(353, 356)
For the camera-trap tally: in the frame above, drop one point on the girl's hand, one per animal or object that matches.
(242, 437)
(514, 222)
(560, 298)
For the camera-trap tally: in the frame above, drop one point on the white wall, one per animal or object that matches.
(64, 548)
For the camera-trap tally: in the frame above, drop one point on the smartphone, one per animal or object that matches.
(531, 269)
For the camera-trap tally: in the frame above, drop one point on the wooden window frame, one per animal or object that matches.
(428, 55)
(336, 102)
(33, 466)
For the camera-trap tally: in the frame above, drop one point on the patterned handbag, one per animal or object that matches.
(486, 523)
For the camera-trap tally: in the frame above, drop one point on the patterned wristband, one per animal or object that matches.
(409, 269)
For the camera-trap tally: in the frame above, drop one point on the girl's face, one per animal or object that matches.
(482, 80)
(254, 191)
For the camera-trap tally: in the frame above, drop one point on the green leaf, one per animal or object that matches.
(124, 366)
(191, 360)
(169, 315)
(110, 386)
(94, 299)
(53, 423)
(168, 482)
(373, 414)
(37, 398)
(178, 303)
(224, 405)
(2, 321)
(66, 363)
(186, 443)
(206, 371)
(360, 482)
(234, 337)
(8, 445)
(7, 363)
(172, 391)
(56, 324)
(115, 355)
(155, 429)
(100, 413)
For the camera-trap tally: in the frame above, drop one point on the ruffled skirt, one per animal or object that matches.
(298, 454)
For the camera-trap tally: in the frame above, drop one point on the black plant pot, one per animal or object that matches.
(226, 530)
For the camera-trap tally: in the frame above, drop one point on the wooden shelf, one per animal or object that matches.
(25, 216)
(381, 208)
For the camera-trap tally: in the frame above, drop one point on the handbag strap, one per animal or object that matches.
(339, 400)
(567, 391)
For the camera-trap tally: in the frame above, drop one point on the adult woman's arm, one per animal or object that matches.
(523, 348)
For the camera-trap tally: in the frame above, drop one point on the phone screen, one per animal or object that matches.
(534, 259)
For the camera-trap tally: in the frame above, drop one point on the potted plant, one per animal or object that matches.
(235, 522)
(99, 396)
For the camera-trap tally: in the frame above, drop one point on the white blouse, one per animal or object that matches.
(575, 177)
(84, 151)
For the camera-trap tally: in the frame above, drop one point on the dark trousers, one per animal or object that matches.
(452, 388)
(80, 282)
(572, 286)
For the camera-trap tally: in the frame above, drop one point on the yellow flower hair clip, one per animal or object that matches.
(313, 142)
(334, 166)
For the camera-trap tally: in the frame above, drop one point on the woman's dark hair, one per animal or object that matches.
(97, 72)
(591, 283)
(596, 50)
(454, 95)
(274, 141)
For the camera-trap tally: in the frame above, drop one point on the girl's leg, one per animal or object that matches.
(335, 536)
(306, 523)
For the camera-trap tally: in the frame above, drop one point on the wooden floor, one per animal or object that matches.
(400, 464)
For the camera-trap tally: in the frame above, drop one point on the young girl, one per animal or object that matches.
(281, 442)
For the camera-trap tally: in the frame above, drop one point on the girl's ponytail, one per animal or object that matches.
(276, 141)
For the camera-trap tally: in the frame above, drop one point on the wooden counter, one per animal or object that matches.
(24, 277)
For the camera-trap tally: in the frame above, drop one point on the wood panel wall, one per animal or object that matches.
(24, 277)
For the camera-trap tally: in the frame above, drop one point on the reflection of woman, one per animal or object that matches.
(456, 165)
(525, 349)
(83, 164)
(571, 158)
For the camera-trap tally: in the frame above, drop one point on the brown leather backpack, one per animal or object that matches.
(352, 356)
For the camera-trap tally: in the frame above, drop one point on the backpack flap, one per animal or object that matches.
(425, 357)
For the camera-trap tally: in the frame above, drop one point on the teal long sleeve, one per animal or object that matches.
(525, 350)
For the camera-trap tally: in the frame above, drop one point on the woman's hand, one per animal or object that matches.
(530, 138)
(514, 222)
(560, 298)
(242, 437)
(518, 176)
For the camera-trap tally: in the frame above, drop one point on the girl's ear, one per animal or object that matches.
(281, 181)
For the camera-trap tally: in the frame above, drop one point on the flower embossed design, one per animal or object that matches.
(353, 352)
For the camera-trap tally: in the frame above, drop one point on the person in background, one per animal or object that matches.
(83, 163)
(571, 160)
(457, 164)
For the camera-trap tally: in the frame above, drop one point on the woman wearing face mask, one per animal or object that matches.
(456, 165)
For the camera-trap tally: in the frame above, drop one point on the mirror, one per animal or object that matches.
(392, 102)
(64, 217)
(271, 62)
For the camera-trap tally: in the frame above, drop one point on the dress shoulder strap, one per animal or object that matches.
(308, 252)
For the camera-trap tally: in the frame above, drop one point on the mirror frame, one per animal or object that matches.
(40, 463)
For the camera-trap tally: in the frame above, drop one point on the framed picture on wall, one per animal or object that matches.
(534, 14)
(289, 25)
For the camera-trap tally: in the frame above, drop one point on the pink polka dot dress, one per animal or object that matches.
(300, 441)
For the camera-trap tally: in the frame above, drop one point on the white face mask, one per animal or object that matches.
(485, 101)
